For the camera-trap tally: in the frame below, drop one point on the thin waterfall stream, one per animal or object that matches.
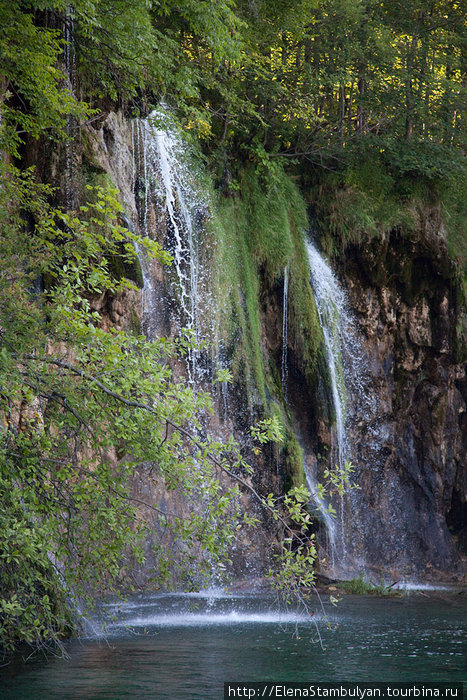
(285, 328)
(334, 317)
(347, 366)
(164, 181)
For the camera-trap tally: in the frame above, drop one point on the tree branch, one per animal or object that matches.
(146, 407)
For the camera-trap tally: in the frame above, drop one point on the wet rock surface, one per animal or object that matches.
(409, 516)
(411, 507)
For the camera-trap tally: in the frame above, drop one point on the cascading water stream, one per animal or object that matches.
(163, 179)
(70, 70)
(171, 201)
(285, 306)
(331, 305)
(185, 258)
(347, 367)
(334, 317)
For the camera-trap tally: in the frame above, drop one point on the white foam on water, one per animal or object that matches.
(196, 619)
(414, 586)
(209, 594)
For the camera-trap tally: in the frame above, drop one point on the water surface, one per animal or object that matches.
(183, 647)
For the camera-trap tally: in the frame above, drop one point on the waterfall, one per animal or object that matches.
(70, 70)
(164, 182)
(334, 318)
(69, 50)
(285, 305)
(170, 201)
(174, 206)
(348, 374)
(327, 518)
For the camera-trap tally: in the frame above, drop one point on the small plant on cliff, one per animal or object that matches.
(359, 586)
(295, 574)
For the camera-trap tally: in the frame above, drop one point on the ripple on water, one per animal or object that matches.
(188, 656)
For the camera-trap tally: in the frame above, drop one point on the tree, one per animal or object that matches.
(329, 84)
(85, 412)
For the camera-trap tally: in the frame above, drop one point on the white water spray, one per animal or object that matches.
(165, 181)
(70, 70)
(347, 367)
(213, 608)
(285, 306)
(334, 318)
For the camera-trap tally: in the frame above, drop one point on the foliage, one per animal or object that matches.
(299, 79)
(316, 74)
(34, 97)
(52, 51)
(82, 410)
(85, 411)
(330, 85)
(267, 430)
(295, 573)
(345, 88)
(369, 92)
(358, 586)
(385, 187)
(256, 233)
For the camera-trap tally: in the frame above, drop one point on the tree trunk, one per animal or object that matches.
(341, 112)
(361, 116)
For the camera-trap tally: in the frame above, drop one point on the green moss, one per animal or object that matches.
(254, 236)
(252, 239)
(454, 212)
(93, 175)
(348, 214)
(289, 451)
(275, 210)
(135, 322)
(366, 199)
(373, 196)
(130, 270)
(236, 281)
(293, 459)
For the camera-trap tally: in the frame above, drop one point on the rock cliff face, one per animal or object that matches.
(413, 494)
(407, 518)
(115, 147)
